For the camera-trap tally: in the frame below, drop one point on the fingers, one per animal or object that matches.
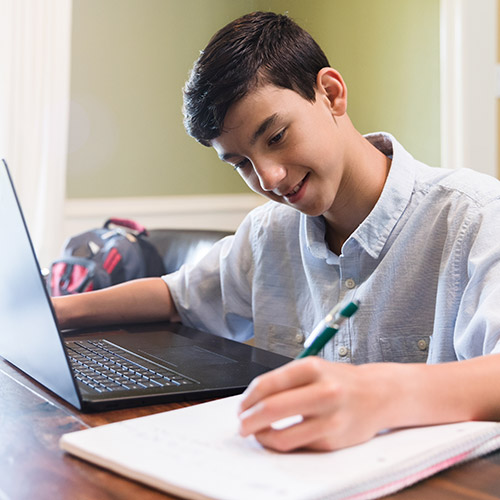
(299, 388)
(305, 400)
(320, 434)
(335, 403)
(293, 437)
(294, 374)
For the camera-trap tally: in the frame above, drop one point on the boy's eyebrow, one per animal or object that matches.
(263, 127)
(266, 124)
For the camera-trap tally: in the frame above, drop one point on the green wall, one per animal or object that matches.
(130, 59)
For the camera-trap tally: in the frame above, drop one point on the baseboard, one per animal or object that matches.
(225, 211)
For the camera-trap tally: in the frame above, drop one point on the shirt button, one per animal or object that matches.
(350, 283)
(343, 351)
(299, 338)
(422, 344)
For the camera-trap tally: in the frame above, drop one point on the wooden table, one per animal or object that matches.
(33, 467)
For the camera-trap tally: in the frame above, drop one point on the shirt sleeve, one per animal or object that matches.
(215, 294)
(477, 328)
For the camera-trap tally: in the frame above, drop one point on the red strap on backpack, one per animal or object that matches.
(128, 223)
(67, 278)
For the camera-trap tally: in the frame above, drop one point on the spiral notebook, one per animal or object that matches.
(196, 453)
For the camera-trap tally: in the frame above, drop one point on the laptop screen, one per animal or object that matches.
(29, 337)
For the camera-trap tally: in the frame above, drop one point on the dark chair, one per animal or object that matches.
(181, 246)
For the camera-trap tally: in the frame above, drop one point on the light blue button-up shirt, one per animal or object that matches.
(424, 264)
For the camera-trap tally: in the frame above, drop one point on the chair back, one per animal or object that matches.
(182, 246)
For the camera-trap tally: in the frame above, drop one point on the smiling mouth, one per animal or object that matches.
(296, 189)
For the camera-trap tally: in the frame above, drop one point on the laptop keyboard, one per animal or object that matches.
(105, 367)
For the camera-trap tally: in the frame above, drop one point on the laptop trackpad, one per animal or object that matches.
(183, 356)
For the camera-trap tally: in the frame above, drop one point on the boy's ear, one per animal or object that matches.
(331, 86)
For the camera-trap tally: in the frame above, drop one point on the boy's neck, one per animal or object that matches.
(365, 175)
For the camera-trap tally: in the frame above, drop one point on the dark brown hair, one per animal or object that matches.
(258, 48)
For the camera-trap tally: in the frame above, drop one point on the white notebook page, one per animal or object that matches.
(196, 452)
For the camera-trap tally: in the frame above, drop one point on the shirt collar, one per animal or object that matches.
(373, 232)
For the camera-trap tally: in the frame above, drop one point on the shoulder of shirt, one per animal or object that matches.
(477, 188)
(464, 184)
(272, 212)
(269, 223)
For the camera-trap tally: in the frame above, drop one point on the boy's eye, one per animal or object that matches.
(240, 164)
(277, 138)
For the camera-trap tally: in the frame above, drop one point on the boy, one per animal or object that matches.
(350, 216)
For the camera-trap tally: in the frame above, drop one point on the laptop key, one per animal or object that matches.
(134, 386)
(149, 383)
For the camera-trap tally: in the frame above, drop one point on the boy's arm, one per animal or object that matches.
(343, 405)
(142, 300)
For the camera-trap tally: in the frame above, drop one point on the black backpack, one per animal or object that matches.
(117, 252)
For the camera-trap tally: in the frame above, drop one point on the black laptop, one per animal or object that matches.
(102, 369)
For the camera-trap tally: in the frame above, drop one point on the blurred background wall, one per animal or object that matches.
(130, 58)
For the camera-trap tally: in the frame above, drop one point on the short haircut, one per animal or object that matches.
(256, 49)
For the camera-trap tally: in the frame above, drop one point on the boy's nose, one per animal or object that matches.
(270, 174)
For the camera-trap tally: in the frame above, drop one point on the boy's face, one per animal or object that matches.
(285, 147)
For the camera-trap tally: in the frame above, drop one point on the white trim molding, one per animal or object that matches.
(468, 84)
(498, 82)
(224, 211)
